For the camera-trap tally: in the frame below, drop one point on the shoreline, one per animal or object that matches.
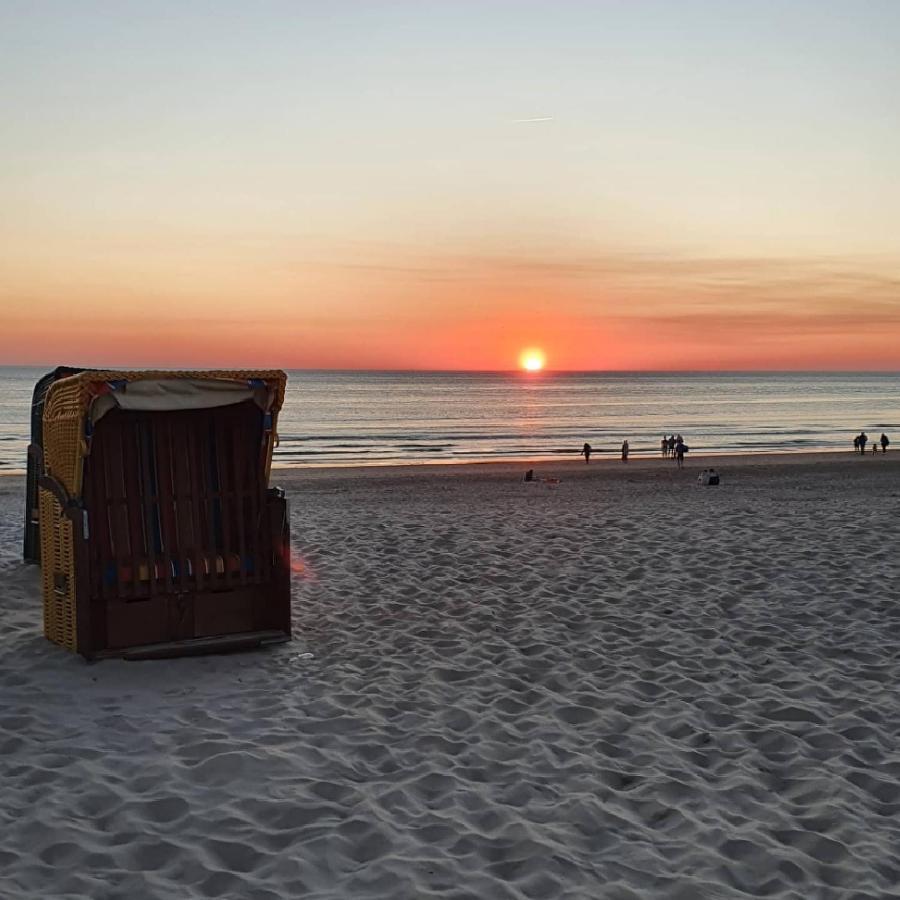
(605, 467)
(599, 458)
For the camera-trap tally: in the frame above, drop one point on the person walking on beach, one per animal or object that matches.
(856, 444)
(679, 451)
(664, 446)
(671, 444)
(624, 451)
(863, 438)
(874, 447)
(586, 452)
(884, 442)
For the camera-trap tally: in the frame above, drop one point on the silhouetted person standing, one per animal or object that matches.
(586, 452)
(679, 452)
(664, 446)
(863, 438)
(624, 451)
(671, 443)
(884, 442)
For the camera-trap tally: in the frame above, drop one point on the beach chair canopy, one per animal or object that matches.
(168, 394)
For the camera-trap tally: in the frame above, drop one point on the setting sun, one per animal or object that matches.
(532, 360)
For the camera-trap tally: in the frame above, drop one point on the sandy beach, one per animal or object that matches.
(624, 685)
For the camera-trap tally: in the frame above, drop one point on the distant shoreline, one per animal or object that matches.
(636, 457)
(604, 458)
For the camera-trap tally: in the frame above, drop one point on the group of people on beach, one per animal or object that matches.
(669, 444)
(673, 447)
(860, 441)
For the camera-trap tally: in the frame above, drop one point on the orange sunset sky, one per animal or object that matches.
(436, 185)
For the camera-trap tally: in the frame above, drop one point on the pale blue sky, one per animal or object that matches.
(142, 143)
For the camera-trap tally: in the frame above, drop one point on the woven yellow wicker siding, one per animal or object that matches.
(57, 573)
(65, 409)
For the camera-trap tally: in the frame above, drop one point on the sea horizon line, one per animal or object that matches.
(411, 371)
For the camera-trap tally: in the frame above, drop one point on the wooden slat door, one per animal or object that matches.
(180, 547)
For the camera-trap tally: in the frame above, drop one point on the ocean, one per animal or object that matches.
(380, 418)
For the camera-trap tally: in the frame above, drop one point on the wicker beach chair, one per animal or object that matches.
(159, 534)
